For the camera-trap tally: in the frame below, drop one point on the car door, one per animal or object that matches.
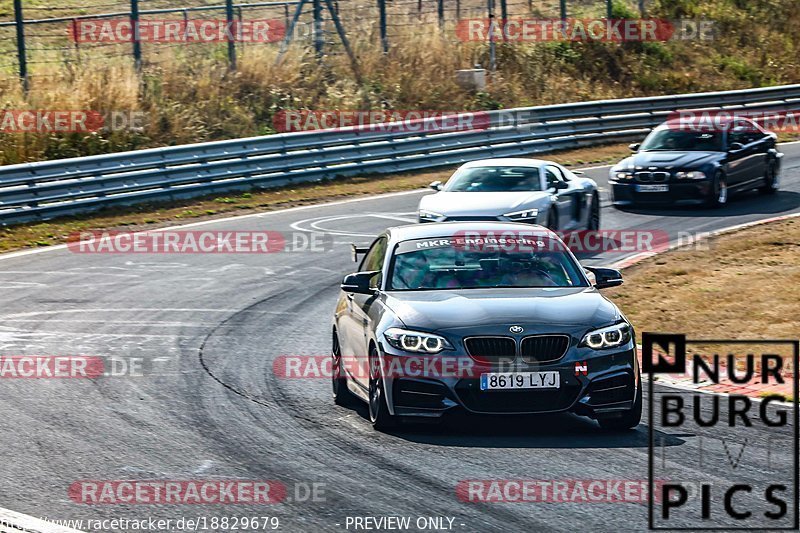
(745, 163)
(570, 202)
(361, 305)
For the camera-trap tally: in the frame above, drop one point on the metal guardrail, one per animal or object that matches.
(47, 189)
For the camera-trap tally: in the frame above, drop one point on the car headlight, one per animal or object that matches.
(416, 341)
(620, 174)
(608, 337)
(691, 175)
(527, 214)
(428, 215)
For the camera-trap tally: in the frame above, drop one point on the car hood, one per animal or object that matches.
(446, 309)
(479, 203)
(680, 160)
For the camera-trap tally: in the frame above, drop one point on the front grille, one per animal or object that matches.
(614, 389)
(471, 218)
(491, 349)
(652, 177)
(516, 401)
(544, 348)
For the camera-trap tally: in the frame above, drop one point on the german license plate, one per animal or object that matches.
(520, 380)
(652, 188)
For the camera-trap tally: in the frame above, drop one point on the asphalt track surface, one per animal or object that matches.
(208, 405)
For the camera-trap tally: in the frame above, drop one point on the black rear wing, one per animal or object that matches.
(357, 250)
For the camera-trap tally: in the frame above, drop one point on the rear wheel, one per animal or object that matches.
(718, 195)
(378, 408)
(341, 394)
(552, 220)
(629, 420)
(771, 179)
(594, 216)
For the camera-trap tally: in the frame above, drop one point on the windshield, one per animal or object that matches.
(684, 141)
(495, 179)
(447, 264)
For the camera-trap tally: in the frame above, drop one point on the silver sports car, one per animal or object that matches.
(523, 190)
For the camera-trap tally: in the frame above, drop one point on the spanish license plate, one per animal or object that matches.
(652, 188)
(520, 380)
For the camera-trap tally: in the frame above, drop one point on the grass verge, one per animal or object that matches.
(745, 286)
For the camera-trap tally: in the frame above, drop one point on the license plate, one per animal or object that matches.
(520, 380)
(652, 188)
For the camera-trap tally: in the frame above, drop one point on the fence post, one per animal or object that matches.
(318, 42)
(230, 34)
(563, 9)
(137, 45)
(21, 57)
(492, 55)
(641, 8)
(440, 9)
(77, 42)
(503, 18)
(384, 38)
(609, 9)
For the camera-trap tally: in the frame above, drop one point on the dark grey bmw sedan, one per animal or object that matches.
(482, 317)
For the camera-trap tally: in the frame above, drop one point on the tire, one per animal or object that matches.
(629, 420)
(378, 408)
(718, 195)
(341, 394)
(771, 179)
(552, 219)
(594, 216)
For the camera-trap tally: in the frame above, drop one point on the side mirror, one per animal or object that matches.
(560, 185)
(605, 277)
(634, 147)
(735, 147)
(436, 185)
(358, 283)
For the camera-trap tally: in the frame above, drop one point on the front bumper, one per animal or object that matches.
(684, 193)
(609, 386)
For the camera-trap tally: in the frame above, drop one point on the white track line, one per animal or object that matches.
(13, 522)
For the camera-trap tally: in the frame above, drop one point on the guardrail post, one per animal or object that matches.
(230, 35)
(21, 57)
(137, 45)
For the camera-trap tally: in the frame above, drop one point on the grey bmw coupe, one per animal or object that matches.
(482, 317)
